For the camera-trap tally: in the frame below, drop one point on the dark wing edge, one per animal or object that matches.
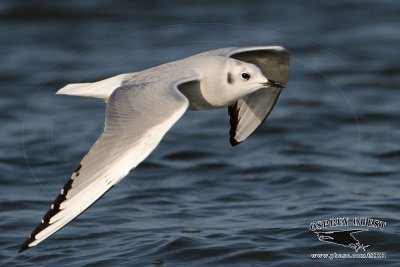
(233, 112)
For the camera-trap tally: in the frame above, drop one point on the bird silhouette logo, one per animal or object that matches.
(342, 238)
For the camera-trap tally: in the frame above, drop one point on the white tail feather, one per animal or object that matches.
(101, 89)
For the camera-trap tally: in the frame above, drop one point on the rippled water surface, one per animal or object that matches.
(331, 147)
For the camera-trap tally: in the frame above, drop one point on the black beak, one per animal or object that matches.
(272, 83)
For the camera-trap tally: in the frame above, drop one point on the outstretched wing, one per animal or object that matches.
(251, 111)
(137, 117)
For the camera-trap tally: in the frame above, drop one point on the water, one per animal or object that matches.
(330, 148)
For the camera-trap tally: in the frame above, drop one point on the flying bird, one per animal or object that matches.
(342, 238)
(142, 106)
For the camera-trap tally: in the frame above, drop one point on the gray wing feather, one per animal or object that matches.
(247, 114)
(137, 117)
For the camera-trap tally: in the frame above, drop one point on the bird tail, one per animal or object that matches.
(101, 89)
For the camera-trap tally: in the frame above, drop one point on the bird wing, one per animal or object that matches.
(248, 113)
(137, 117)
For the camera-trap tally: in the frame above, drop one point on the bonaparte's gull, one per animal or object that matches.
(143, 106)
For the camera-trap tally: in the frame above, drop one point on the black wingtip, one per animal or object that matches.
(233, 141)
(21, 249)
(25, 245)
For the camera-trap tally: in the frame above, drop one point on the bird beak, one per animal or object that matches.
(272, 83)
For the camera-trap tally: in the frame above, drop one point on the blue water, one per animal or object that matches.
(331, 147)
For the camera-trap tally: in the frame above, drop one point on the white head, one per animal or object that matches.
(236, 79)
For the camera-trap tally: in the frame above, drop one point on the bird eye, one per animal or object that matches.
(245, 75)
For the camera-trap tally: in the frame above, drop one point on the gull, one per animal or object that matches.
(142, 106)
